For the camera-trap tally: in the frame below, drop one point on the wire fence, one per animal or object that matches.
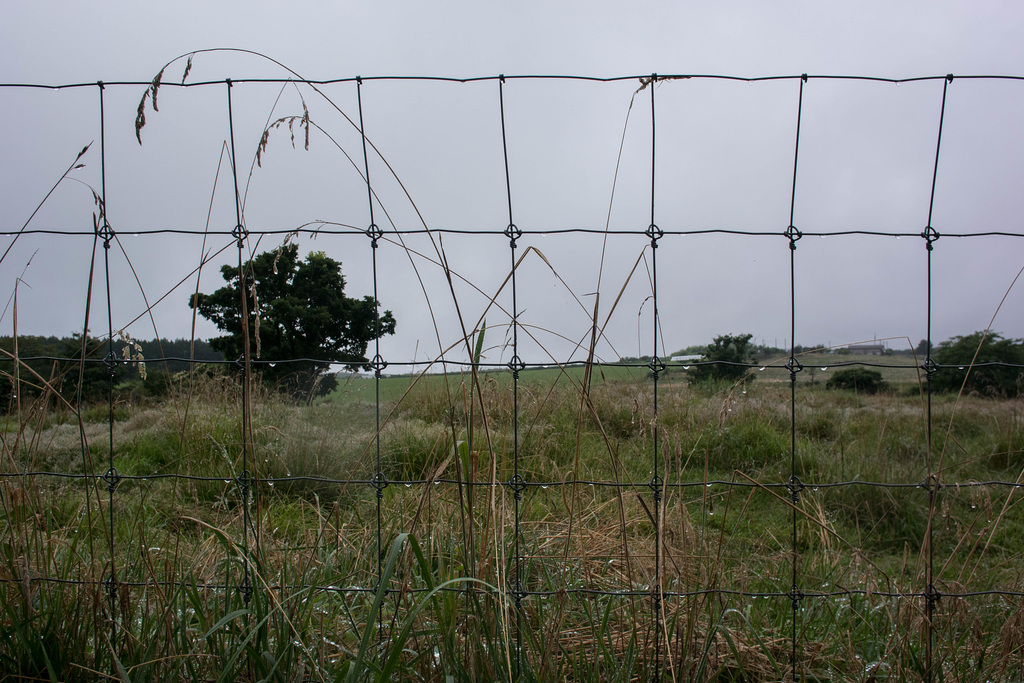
(667, 521)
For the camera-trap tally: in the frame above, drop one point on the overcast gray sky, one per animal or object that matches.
(724, 160)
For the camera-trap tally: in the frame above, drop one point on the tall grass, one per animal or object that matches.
(317, 600)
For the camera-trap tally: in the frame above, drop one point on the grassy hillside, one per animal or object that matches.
(581, 538)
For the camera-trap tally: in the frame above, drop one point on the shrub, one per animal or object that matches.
(972, 353)
(727, 358)
(858, 379)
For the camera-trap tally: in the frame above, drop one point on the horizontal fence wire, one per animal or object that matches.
(660, 587)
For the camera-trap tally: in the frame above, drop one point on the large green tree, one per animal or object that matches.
(983, 377)
(306, 322)
(726, 356)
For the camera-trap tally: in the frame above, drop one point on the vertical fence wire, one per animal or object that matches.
(243, 480)
(111, 477)
(517, 484)
(657, 483)
(380, 481)
(932, 482)
(794, 484)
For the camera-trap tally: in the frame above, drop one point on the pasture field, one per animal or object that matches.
(276, 557)
(899, 370)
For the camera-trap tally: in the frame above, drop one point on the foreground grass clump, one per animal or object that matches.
(258, 556)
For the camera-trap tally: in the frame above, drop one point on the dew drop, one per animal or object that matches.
(824, 368)
(897, 236)
(961, 367)
(761, 369)
(408, 485)
(543, 486)
(822, 236)
(686, 367)
(273, 365)
(437, 482)
(707, 485)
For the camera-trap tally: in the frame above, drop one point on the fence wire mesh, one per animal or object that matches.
(693, 544)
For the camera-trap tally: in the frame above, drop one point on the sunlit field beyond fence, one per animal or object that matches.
(521, 483)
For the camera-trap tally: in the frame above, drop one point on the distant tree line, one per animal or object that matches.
(57, 362)
(980, 363)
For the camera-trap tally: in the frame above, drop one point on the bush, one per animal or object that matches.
(727, 358)
(858, 379)
(972, 353)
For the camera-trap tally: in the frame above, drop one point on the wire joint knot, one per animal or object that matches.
(795, 596)
(244, 481)
(795, 486)
(110, 361)
(518, 485)
(656, 483)
(106, 233)
(930, 367)
(379, 482)
(932, 484)
(655, 233)
(377, 365)
(793, 235)
(513, 233)
(516, 365)
(113, 478)
(374, 233)
(245, 588)
(794, 366)
(240, 233)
